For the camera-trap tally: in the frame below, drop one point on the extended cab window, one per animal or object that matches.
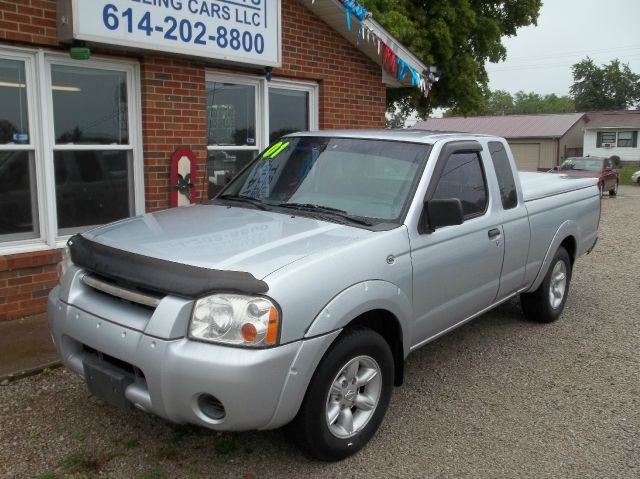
(463, 178)
(504, 173)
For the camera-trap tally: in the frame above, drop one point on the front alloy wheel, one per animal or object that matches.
(353, 397)
(347, 397)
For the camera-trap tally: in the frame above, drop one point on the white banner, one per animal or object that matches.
(244, 31)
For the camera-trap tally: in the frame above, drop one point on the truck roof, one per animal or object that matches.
(412, 135)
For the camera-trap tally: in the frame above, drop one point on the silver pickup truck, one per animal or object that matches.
(295, 296)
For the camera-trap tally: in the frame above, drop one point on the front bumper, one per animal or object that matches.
(259, 389)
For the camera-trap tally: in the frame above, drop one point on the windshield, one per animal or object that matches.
(356, 177)
(587, 164)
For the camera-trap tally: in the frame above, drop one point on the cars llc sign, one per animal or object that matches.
(244, 31)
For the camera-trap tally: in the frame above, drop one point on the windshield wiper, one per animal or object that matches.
(327, 210)
(246, 199)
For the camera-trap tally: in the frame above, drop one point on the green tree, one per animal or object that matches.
(458, 37)
(501, 102)
(609, 87)
(396, 119)
(529, 103)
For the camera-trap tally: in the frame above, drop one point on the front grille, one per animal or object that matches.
(111, 288)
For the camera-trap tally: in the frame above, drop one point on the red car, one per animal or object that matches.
(593, 167)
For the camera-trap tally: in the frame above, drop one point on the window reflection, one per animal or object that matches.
(89, 105)
(231, 114)
(223, 165)
(288, 112)
(92, 187)
(14, 120)
(18, 215)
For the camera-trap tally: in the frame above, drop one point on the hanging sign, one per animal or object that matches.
(242, 31)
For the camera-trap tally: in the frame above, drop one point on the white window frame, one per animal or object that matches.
(262, 86)
(42, 138)
(309, 87)
(631, 132)
(262, 103)
(259, 112)
(31, 86)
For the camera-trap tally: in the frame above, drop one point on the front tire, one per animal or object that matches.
(347, 397)
(545, 304)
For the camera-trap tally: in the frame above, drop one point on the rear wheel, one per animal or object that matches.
(614, 191)
(347, 397)
(547, 302)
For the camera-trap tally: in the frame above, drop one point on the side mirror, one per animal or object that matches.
(439, 213)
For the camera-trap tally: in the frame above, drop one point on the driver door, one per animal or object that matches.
(456, 269)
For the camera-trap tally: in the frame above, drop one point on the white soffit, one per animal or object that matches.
(334, 14)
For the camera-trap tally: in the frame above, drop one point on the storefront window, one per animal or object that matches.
(288, 112)
(92, 187)
(90, 107)
(245, 114)
(14, 121)
(231, 114)
(231, 130)
(18, 210)
(18, 215)
(68, 157)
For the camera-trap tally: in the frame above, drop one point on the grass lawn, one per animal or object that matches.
(625, 174)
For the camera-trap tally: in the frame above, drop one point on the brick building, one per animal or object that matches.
(87, 142)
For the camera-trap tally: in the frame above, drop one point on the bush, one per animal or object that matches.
(616, 160)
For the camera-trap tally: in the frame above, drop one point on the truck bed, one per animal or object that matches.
(541, 185)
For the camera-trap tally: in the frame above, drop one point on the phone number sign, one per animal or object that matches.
(244, 31)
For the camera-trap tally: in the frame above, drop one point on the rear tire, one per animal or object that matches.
(347, 397)
(545, 304)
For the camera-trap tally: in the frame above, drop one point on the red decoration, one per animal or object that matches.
(390, 60)
(183, 179)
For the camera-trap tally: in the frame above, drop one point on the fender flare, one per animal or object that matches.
(361, 298)
(566, 229)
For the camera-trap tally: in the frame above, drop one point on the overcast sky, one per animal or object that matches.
(539, 58)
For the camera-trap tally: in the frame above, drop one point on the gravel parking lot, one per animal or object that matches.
(499, 397)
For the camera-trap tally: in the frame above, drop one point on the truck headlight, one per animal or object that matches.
(235, 319)
(65, 262)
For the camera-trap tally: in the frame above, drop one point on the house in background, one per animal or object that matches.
(609, 133)
(538, 142)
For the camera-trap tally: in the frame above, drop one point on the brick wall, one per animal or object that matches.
(29, 21)
(25, 281)
(173, 116)
(352, 95)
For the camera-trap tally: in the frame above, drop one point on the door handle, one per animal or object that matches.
(494, 232)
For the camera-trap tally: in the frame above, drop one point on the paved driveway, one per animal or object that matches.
(500, 397)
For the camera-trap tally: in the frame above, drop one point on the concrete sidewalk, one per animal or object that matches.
(25, 347)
